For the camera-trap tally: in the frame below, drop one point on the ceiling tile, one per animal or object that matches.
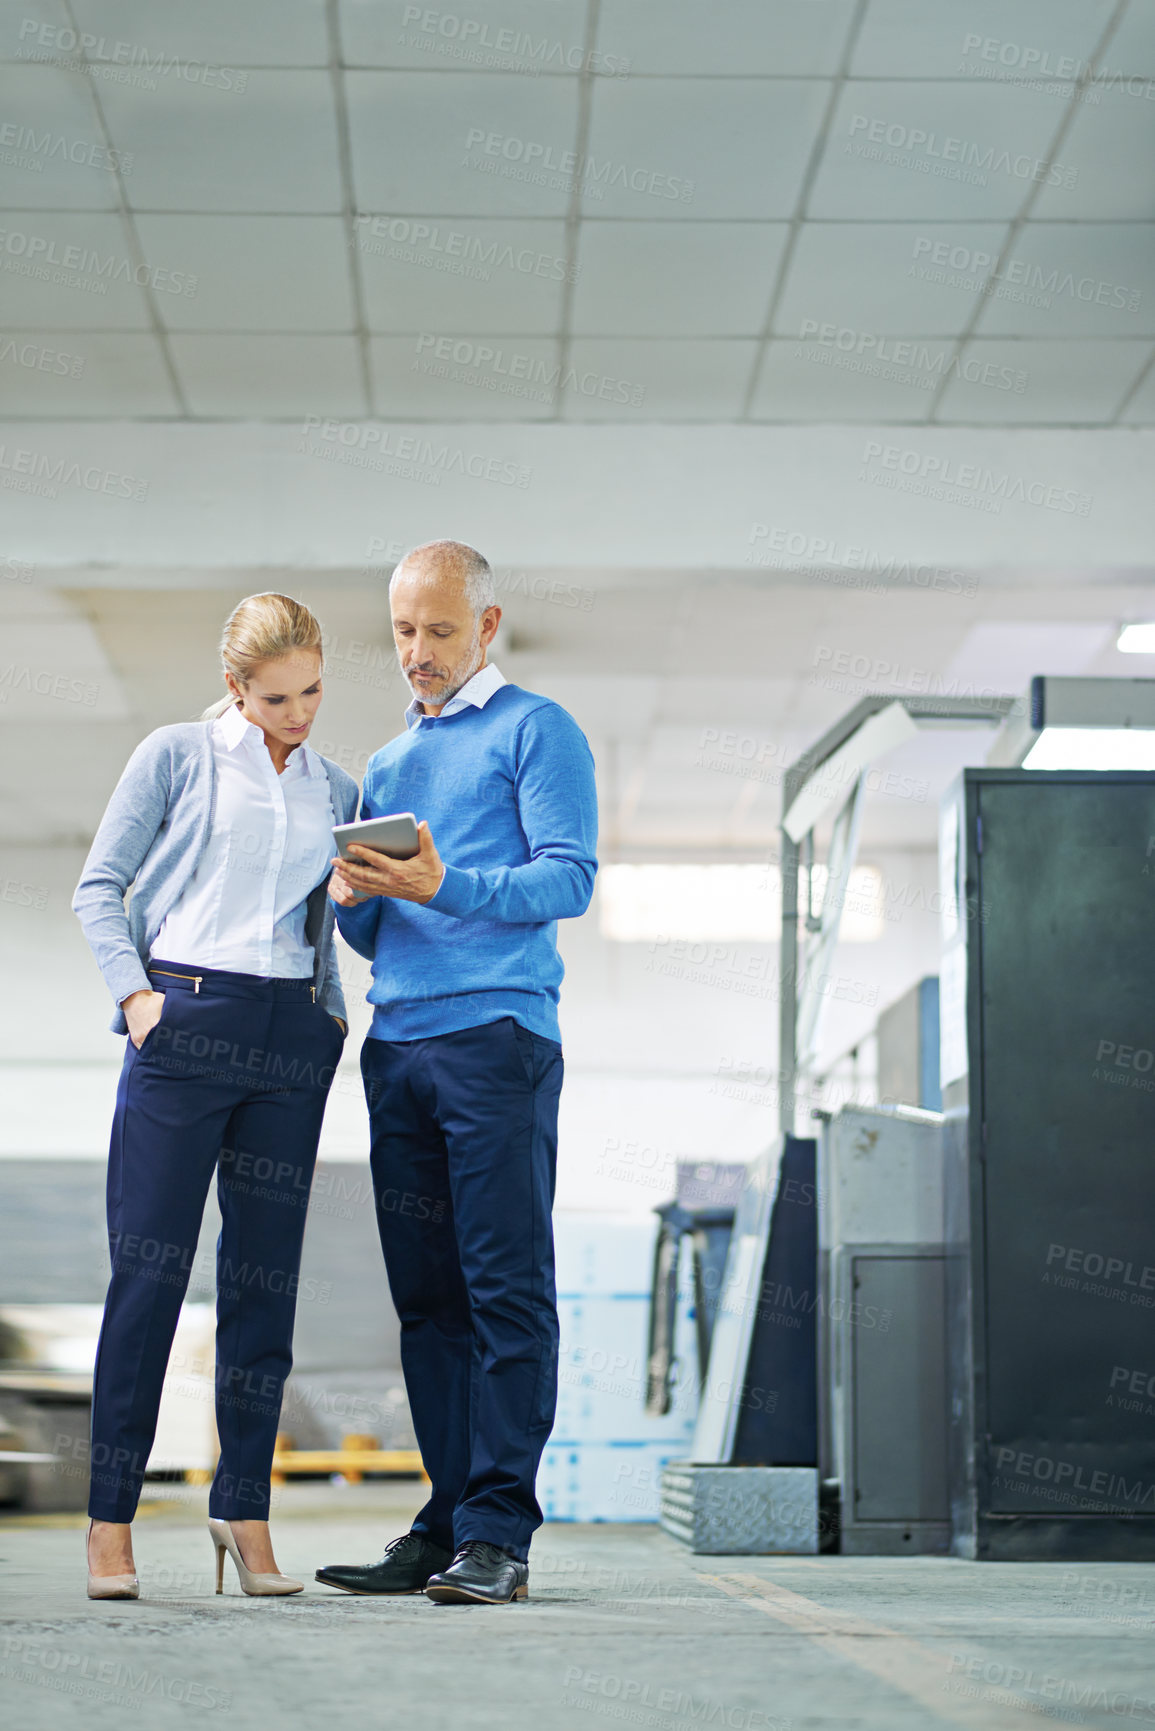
(1140, 411)
(271, 148)
(27, 31)
(1076, 279)
(888, 278)
(1006, 654)
(675, 278)
(768, 38)
(259, 377)
(252, 273)
(817, 381)
(702, 147)
(1111, 146)
(631, 379)
(52, 151)
(69, 271)
(1132, 48)
(86, 374)
(933, 38)
(213, 34)
(522, 36)
(934, 149)
(461, 275)
(464, 378)
(488, 144)
(1073, 382)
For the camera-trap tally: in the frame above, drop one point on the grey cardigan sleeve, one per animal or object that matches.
(345, 801)
(129, 827)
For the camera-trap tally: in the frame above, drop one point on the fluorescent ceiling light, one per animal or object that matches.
(1137, 639)
(723, 903)
(1093, 748)
(1085, 723)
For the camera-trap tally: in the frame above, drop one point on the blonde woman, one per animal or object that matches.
(225, 980)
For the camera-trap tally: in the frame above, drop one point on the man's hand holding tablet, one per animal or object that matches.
(385, 856)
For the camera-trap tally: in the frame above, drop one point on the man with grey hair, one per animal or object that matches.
(463, 1069)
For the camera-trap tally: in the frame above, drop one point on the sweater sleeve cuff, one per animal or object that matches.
(127, 976)
(454, 894)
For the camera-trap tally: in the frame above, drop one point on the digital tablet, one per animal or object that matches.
(395, 835)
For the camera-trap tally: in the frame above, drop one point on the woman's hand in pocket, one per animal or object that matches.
(142, 1013)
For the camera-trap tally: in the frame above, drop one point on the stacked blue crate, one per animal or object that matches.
(604, 1460)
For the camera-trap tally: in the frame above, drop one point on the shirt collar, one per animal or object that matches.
(234, 729)
(476, 691)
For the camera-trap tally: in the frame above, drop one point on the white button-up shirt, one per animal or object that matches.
(476, 691)
(270, 844)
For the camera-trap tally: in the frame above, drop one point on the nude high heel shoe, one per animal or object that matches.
(257, 1586)
(109, 1586)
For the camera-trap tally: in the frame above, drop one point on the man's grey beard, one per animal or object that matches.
(459, 677)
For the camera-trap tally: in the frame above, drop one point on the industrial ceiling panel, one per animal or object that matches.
(675, 278)
(87, 375)
(69, 270)
(821, 381)
(1045, 382)
(632, 379)
(215, 33)
(932, 38)
(769, 38)
(699, 148)
(921, 150)
(1072, 279)
(461, 274)
(1111, 144)
(55, 154)
(485, 144)
(272, 147)
(251, 273)
(884, 278)
(478, 378)
(292, 376)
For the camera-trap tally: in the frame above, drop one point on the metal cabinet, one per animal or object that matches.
(882, 1340)
(1048, 1055)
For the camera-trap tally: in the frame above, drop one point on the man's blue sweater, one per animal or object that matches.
(508, 793)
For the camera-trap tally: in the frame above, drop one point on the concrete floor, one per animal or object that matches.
(622, 1625)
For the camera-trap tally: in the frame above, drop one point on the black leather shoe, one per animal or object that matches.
(406, 1566)
(480, 1574)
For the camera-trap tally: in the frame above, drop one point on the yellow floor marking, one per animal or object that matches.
(144, 1512)
(895, 1659)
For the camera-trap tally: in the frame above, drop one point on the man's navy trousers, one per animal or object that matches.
(464, 1157)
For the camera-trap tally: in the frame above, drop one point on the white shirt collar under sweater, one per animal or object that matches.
(476, 691)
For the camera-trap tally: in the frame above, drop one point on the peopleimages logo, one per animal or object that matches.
(940, 154)
(905, 361)
(484, 44)
(965, 483)
(36, 253)
(829, 561)
(955, 266)
(455, 250)
(534, 159)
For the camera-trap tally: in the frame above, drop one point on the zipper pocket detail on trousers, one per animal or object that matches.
(167, 974)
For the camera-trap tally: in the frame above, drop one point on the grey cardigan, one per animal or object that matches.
(152, 836)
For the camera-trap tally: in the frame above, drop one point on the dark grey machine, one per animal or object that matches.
(1048, 1068)
(882, 1339)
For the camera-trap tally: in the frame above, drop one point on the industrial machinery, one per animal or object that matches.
(751, 1484)
(882, 1339)
(1048, 1072)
